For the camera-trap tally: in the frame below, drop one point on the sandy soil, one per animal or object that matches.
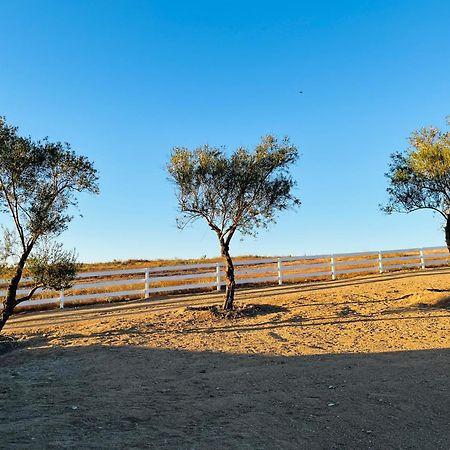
(359, 364)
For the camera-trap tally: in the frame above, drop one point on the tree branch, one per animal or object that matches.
(28, 296)
(420, 208)
(14, 215)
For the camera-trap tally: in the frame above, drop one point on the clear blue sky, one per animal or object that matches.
(125, 81)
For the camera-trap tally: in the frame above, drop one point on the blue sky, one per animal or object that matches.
(125, 81)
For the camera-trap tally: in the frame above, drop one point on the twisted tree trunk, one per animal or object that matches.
(229, 275)
(10, 301)
(447, 232)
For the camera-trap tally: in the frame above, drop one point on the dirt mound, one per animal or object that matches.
(239, 311)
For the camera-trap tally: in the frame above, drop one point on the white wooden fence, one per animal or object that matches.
(142, 282)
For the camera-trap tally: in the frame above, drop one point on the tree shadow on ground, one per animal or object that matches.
(135, 397)
(304, 322)
(233, 323)
(440, 304)
(239, 311)
(7, 344)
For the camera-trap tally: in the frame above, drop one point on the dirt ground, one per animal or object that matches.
(354, 364)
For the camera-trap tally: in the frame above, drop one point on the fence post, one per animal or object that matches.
(333, 268)
(218, 276)
(422, 259)
(61, 298)
(380, 262)
(147, 283)
(280, 279)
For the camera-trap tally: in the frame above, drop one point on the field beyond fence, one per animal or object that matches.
(146, 282)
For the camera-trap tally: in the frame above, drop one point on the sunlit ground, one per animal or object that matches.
(349, 364)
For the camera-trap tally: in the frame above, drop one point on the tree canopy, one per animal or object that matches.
(39, 183)
(419, 177)
(242, 191)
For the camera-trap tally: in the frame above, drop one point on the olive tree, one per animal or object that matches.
(240, 192)
(39, 181)
(419, 177)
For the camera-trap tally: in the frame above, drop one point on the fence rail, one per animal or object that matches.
(142, 282)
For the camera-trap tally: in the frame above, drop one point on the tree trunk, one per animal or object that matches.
(447, 232)
(229, 274)
(10, 301)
